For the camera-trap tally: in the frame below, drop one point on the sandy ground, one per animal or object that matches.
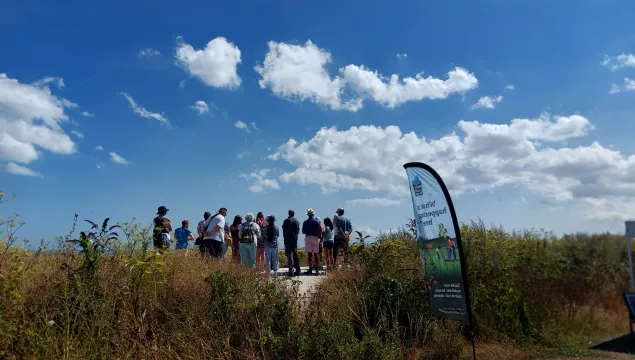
(307, 283)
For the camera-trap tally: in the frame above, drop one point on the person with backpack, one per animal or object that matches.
(270, 236)
(249, 233)
(162, 229)
(200, 229)
(343, 230)
(214, 236)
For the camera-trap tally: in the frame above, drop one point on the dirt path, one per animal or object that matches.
(307, 283)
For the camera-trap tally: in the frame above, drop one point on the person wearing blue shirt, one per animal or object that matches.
(183, 235)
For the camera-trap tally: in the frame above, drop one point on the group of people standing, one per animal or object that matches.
(254, 240)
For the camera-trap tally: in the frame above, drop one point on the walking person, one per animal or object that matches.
(311, 230)
(260, 247)
(343, 229)
(270, 239)
(162, 229)
(183, 235)
(290, 232)
(200, 229)
(328, 243)
(451, 249)
(234, 229)
(249, 232)
(214, 236)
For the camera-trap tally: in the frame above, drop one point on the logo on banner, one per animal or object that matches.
(417, 186)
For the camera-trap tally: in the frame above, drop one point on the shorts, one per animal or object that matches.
(311, 244)
(329, 244)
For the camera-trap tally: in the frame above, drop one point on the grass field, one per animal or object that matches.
(106, 296)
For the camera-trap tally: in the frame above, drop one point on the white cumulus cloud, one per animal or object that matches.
(620, 61)
(201, 107)
(242, 125)
(118, 159)
(99, 147)
(402, 56)
(215, 65)
(141, 111)
(487, 102)
(30, 118)
(78, 134)
(299, 72)
(260, 182)
(57, 81)
(510, 87)
(13, 168)
(87, 114)
(525, 152)
(627, 85)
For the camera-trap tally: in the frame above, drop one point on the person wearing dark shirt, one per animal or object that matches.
(290, 232)
(311, 229)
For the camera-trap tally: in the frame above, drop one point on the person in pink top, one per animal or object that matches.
(260, 246)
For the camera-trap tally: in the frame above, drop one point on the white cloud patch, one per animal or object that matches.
(148, 52)
(182, 84)
(87, 114)
(118, 159)
(30, 118)
(484, 156)
(627, 85)
(253, 125)
(141, 111)
(215, 65)
(241, 155)
(13, 168)
(510, 87)
(402, 56)
(260, 182)
(620, 61)
(487, 102)
(78, 134)
(299, 72)
(99, 147)
(201, 107)
(242, 125)
(375, 202)
(57, 81)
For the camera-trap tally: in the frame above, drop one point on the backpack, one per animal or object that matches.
(248, 236)
(158, 231)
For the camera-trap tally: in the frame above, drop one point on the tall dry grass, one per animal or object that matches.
(118, 298)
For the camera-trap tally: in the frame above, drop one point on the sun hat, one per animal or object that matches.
(162, 210)
(310, 212)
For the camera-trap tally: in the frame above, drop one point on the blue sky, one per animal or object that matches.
(565, 164)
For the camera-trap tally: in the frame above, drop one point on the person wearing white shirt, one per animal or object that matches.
(214, 236)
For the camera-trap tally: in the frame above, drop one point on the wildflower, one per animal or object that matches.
(50, 323)
(91, 234)
(425, 257)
